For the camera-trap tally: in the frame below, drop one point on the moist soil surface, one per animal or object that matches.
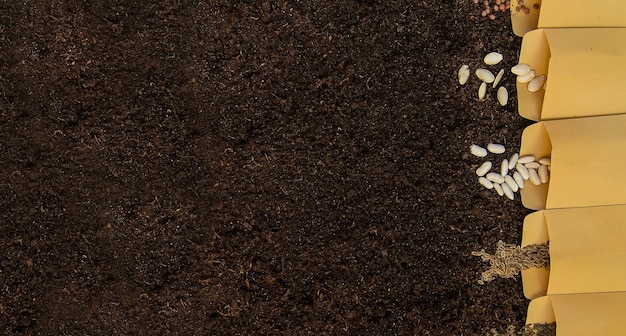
(251, 167)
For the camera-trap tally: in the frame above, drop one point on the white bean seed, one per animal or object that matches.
(526, 159)
(496, 148)
(478, 151)
(485, 75)
(511, 183)
(504, 167)
(484, 168)
(507, 191)
(526, 77)
(518, 179)
(495, 177)
(534, 177)
(522, 170)
(498, 188)
(533, 165)
(464, 73)
(545, 161)
(486, 183)
(503, 95)
(521, 69)
(498, 78)
(513, 160)
(493, 58)
(543, 174)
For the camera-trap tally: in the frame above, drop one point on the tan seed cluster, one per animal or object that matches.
(491, 7)
(509, 260)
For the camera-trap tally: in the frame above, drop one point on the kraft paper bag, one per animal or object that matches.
(588, 162)
(587, 251)
(565, 14)
(585, 70)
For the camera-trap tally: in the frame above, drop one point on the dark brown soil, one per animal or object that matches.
(250, 167)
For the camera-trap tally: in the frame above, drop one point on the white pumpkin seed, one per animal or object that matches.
(478, 151)
(495, 177)
(493, 58)
(511, 183)
(498, 188)
(532, 165)
(521, 69)
(504, 167)
(534, 177)
(498, 78)
(486, 183)
(543, 174)
(482, 90)
(485, 75)
(527, 77)
(503, 95)
(507, 191)
(484, 168)
(536, 83)
(495, 148)
(513, 160)
(545, 161)
(518, 179)
(522, 170)
(526, 158)
(464, 73)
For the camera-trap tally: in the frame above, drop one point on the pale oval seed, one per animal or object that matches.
(495, 148)
(485, 75)
(518, 179)
(527, 77)
(525, 159)
(545, 161)
(484, 168)
(478, 151)
(493, 58)
(513, 160)
(464, 73)
(522, 170)
(503, 95)
(536, 83)
(486, 183)
(498, 78)
(504, 167)
(495, 177)
(507, 191)
(534, 177)
(521, 69)
(533, 165)
(498, 188)
(543, 174)
(482, 90)
(511, 183)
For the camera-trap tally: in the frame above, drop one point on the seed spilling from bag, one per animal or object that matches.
(536, 83)
(521, 69)
(526, 77)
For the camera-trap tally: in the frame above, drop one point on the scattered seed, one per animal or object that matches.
(526, 77)
(545, 161)
(536, 83)
(485, 75)
(493, 58)
(513, 160)
(544, 176)
(482, 90)
(464, 73)
(511, 183)
(534, 177)
(504, 167)
(497, 178)
(503, 95)
(521, 69)
(484, 168)
(518, 179)
(495, 148)
(498, 188)
(498, 78)
(478, 151)
(522, 170)
(526, 159)
(486, 183)
(507, 191)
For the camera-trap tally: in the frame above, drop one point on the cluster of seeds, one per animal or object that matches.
(487, 77)
(513, 172)
(490, 9)
(525, 74)
(523, 9)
